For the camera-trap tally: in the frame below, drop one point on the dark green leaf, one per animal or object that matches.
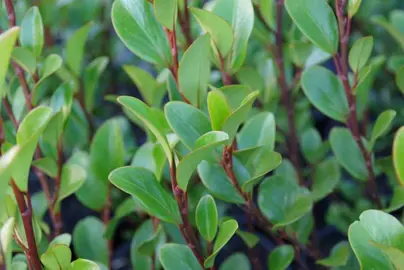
(400, 79)
(178, 257)
(73, 176)
(397, 201)
(235, 94)
(338, 257)
(326, 177)
(382, 125)
(25, 59)
(312, 146)
(281, 257)
(207, 217)
(148, 247)
(360, 53)
(237, 261)
(75, 48)
(92, 76)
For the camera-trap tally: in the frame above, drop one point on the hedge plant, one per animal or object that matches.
(220, 134)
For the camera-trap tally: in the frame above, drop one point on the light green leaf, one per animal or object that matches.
(57, 257)
(194, 71)
(166, 12)
(218, 108)
(142, 184)
(7, 41)
(395, 255)
(88, 240)
(382, 125)
(178, 257)
(150, 156)
(360, 53)
(25, 59)
(397, 201)
(75, 48)
(258, 131)
(6, 235)
(92, 76)
(316, 20)
(226, 231)
(73, 176)
(235, 94)
(339, 255)
(237, 261)
(326, 177)
(281, 257)
(62, 239)
(326, 92)
(150, 119)
(400, 79)
(353, 7)
(220, 30)
(139, 30)
(46, 165)
(398, 155)
(32, 32)
(250, 239)
(207, 217)
(82, 264)
(51, 64)
(394, 32)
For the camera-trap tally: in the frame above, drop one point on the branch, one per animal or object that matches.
(185, 24)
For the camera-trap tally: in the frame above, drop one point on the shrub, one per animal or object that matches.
(266, 121)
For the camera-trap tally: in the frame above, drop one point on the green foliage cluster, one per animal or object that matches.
(246, 82)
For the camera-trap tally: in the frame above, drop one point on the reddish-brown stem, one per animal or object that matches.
(106, 216)
(285, 95)
(10, 13)
(344, 24)
(185, 24)
(26, 214)
(225, 75)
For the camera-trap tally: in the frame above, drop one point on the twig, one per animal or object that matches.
(225, 75)
(185, 24)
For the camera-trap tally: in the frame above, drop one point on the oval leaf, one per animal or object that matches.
(32, 33)
(360, 53)
(281, 257)
(207, 217)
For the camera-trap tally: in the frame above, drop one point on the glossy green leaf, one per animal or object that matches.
(237, 261)
(395, 255)
(32, 31)
(188, 122)
(326, 177)
(326, 92)
(142, 184)
(25, 59)
(281, 257)
(137, 27)
(258, 131)
(46, 165)
(235, 94)
(397, 201)
(92, 76)
(220, 30)
(73, 176)
(317, 21)
(178, 257)
(166, 12)
(348, 154)
(398, 155)
(282, 201)
(88, 240)
(218, 108)
(194, 71)
(6, 167)
(226, 231)
(148, 247)
(6, 235)
(312, 146)
(62, 239)
(51, 64)
(382, 125)
(360, 53)
(353, 7)
(400, 79)
(7, 41)
(250, 239)
(338, 257)
(150, 119)
(75, 48)
(207, 217)
(150, 156)
(57, 257)
(82, 264)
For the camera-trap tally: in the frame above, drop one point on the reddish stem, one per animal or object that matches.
(225, 75)
(185, 24)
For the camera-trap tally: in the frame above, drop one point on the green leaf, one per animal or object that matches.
(348, 154)
(267, 9)
(382, 125)
(32, 33)
(258, 131)
(282, 201)
(7, 41)
(75, 48)
(395, 255)
(220, 30)
(149, 88)
(317, 21)
(353, 7)
(150, 156)
(107, 150)
(400, 79)
(397, 201)
(250, 239)
(150, 119)
(136, 26)
(166, 12)
(148, 247)
(218, 108)
(338, 257)
(360, 53)
(188, 122)
(281, 257)
(194, 71)
(235, 94)
(312, 146)
(57, 257)
(92, 75)
(325, 91)
(6, 235)
(178, 257)
(240, 14)
(204, 148)
(216, 181)
(73, 176)
(142, 184)
(88, 240)
(62, 239)
(51, 64)
(124, 209)
(25, 59)
(398, 155)
(326, 177)
(226, 231)
(250, 76)
(47, 165)
(82, 264)
(380, 228)
(394, 32)
(207, 217)
(237, 261)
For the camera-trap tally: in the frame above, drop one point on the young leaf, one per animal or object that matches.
(57, 257)
(166, 12)
(75, 48)
(339, 255)
(398, 155)
(325, 91)
(250, 239)
(82, 264)
(218, 108)
(142, 184)
(137, 27)
(194, 71)
(226, 231)
(360, 53)
(25, 59)
(317, 21)
(178, 257)
(32, 33)
(235, 94)
(220, 30)
(63, 239)
(326, 177)
(46, 165)
(92, 75)
(7, 41)
(353, 7)
(382, 125)
(237, 261)
(51, 64)
(207, 217)
(281, 257)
